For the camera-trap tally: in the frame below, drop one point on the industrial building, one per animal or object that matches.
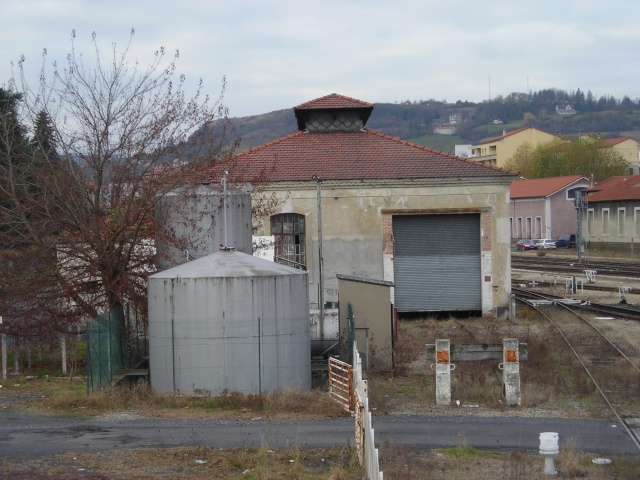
(356, 202)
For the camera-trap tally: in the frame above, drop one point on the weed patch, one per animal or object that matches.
(58, 395)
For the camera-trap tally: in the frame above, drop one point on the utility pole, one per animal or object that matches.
(579, 207)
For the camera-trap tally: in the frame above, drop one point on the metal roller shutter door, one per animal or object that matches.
(437, 262)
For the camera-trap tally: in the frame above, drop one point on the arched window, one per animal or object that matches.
(289, 232)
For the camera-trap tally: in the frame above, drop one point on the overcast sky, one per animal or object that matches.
(276, 54)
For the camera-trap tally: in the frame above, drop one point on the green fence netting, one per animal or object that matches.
(115, 341)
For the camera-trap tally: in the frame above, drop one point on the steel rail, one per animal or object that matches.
(625, 312)
(629, 431)
(565, 265)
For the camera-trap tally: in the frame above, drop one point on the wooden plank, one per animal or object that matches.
(340, 385)
(469, 352)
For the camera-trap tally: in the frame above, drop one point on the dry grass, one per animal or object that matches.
(551, 377)
(194, 463)
(405, 352)
(466, 463)
(58, 395)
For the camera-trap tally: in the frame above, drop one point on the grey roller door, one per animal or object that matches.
(437, 262)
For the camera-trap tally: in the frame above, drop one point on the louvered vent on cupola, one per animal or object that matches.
(333, 113)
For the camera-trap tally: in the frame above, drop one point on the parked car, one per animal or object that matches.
(545, 244)
(566, 241)
(526, 244)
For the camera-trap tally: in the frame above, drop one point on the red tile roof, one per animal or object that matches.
(513, 132)
(615, 141)
(542, 187)
(616, 189)
(359, 155)
(333, 100)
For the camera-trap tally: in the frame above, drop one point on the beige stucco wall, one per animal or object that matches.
(628, 149)
(373, 320)
(506, 147)
(510, 144)
(356, 228)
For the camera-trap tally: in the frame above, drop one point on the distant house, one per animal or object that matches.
(544, 207)
(456, 118)
(497, 151)
(565, 110)
(612, 211)
(445, 129)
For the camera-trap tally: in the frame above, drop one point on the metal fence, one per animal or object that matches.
(365, 440)
(53, 354)
(350, 389)
(115, 341)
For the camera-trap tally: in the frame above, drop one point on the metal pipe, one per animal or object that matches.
(320, 259)
(224, 206)
(173, 353)
(259, 358)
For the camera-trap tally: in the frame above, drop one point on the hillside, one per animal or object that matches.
(414, 122)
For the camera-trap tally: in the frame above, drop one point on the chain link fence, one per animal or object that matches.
(115, 341)
(52, 354)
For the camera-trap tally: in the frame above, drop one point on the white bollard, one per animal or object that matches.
(443, 369)
(549, 448)
(510, 367)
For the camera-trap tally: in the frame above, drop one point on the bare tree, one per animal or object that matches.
(81, 234)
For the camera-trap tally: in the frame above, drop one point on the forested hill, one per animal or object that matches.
(414, 121)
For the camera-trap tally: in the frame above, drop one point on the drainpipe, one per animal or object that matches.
(320, 259)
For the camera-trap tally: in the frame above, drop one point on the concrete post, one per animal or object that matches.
(63, 350)
(4, 356)
(510, 367)
(16, 356)
(512, 308)
(443, 372)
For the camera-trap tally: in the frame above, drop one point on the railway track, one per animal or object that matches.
(568, 266)
(614, 374)
(628, 312)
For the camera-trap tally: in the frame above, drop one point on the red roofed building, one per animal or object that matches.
(434, 224)
(544, 207)
(612, 211)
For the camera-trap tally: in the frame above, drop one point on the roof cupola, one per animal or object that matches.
(333, 113)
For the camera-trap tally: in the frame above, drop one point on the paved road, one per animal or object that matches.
(28, 435)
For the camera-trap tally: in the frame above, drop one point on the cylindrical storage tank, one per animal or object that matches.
(191, 223)
(229, 322)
